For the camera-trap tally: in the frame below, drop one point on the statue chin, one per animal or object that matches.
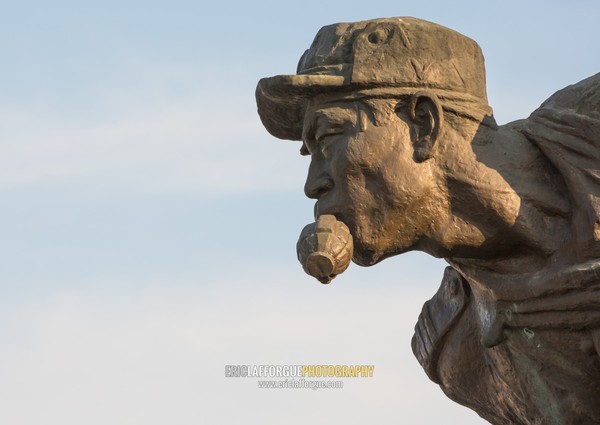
(364, 257)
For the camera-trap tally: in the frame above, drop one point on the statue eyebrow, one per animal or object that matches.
(311, 127)
(320, 117)
(327, 120)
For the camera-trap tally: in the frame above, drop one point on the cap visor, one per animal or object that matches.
(282, 101)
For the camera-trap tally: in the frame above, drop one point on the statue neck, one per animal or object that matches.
(505, 201)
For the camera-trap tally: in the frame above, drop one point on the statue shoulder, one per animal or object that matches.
(566, 128)
(582, 98)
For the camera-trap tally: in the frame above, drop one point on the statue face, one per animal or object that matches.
(363, 172)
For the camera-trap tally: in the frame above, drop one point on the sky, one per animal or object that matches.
(148, 221)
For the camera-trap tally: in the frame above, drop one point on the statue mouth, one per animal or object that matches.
(321, 209)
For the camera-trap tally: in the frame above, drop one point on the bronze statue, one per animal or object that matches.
(406, 153)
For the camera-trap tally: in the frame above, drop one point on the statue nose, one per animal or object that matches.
(316, 187)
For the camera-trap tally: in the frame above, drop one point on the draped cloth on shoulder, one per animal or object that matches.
(566, 128)
(528, 364)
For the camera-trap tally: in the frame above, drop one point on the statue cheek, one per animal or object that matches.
(351, 162)
(366, 157)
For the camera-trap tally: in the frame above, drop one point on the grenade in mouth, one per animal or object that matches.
(325, 248)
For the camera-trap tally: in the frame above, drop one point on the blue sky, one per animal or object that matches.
(148, 222)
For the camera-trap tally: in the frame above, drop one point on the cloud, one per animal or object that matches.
(156, 355)
(165, 132)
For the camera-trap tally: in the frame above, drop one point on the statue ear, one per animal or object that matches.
(427, 118)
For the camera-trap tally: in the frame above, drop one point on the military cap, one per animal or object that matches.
(384, 56)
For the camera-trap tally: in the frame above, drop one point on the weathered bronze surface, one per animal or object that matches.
(406, 153)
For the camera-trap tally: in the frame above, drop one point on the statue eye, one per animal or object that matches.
(329, 133)
(327, 141)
